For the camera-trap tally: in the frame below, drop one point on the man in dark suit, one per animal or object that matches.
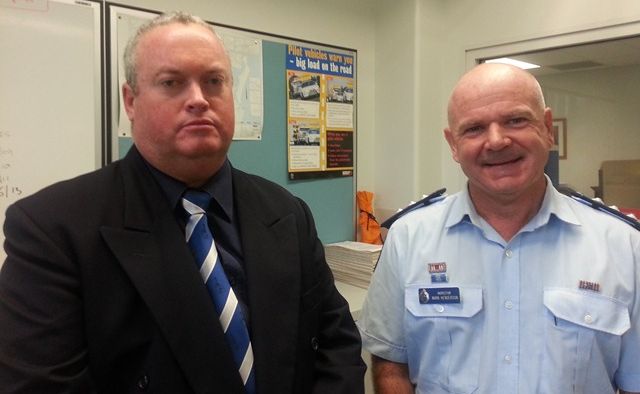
(100, 292)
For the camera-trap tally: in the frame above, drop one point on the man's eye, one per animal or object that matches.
(473, 129)
(517, 121)
(169, 83)
(215, 81)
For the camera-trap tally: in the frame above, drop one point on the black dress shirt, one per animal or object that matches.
(220, 216)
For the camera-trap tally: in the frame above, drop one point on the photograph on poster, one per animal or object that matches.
(304, 146)
(340, 90)
(304, 134)
(303, 86)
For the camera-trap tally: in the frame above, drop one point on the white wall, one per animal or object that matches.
(445, 30)
(601, 108)
(395, 163)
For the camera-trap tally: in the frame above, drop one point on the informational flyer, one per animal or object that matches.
(245, 52)
(320, 116)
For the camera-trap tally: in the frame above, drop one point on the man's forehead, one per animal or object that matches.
(176, 40)
(497, 110)
(176, 31)
(486, 93)
(489, 78)
(488, 109)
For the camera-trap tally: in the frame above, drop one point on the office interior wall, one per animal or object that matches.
(341, 23)
(395, 165)
(410, 54)
(410, 36)
(444, 31)
(601, 108)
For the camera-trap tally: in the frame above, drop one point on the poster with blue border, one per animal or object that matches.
(320, 113)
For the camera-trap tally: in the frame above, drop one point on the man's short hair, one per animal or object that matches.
(129, 58)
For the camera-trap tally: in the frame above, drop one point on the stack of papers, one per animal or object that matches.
(352, 262)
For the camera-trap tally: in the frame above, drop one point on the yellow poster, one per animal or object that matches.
(320, 113)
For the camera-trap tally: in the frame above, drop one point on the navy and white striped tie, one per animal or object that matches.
(201, 242)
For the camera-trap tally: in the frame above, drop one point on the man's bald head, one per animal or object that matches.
(477, 81)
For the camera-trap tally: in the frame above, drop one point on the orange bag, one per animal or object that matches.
(369, 226)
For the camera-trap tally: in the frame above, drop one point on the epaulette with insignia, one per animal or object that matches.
(428, 200)
(595, 204)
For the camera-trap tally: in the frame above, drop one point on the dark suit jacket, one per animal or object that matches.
(100, 293)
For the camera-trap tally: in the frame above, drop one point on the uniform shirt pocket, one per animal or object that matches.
(578, 323)
(593, 311)
(441, 339)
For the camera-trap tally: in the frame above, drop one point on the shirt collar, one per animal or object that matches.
(219, 187)
(462, 210)
(556, 204)
(553, 203)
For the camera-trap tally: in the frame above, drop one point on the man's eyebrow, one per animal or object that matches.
(176, 71)
(518, 111)
(466, 123)
(518, 114)
(219, 69)
(166, 71)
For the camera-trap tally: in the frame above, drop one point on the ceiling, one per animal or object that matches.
(614, 53)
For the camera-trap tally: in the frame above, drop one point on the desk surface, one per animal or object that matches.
(355, 297)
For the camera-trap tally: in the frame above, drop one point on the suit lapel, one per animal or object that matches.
(151, 249)
(269, 243)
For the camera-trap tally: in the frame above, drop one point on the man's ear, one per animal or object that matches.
(448, 135)
(128, 97)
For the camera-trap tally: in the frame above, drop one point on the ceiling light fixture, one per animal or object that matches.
(513, 62)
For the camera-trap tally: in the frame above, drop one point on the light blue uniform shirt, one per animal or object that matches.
(555, 310)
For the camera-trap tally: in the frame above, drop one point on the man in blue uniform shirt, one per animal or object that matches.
(507, 286)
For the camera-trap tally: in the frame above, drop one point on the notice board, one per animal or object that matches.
(50, 95)
(332, 200)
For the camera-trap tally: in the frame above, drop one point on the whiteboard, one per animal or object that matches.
(50, 95)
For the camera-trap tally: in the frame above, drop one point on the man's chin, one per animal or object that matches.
(510, 186)
(499, 185)
(204, 150)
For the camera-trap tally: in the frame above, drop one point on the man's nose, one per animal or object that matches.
(497, 137)
(196, 99)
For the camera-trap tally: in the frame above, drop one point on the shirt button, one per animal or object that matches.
(507, 359)
(143, 383)
(588, 318)
(315, 343)
(508, 253)
(508, 304)
(439, 308)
